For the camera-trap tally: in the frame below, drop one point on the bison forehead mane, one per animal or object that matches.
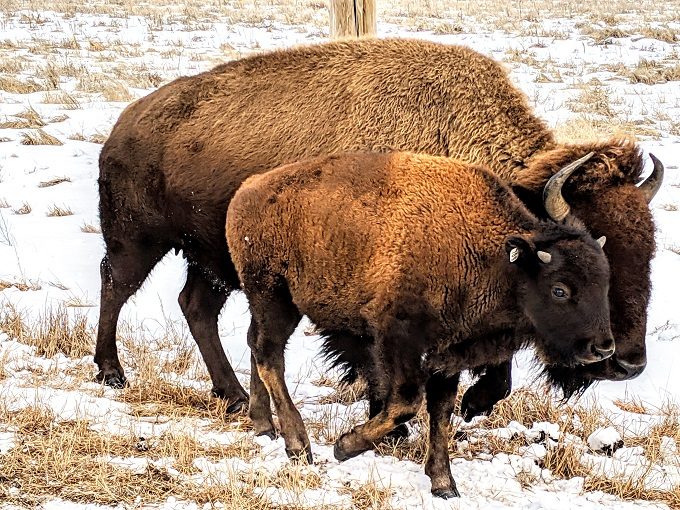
(616, 162)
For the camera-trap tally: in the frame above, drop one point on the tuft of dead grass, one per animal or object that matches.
(55, 211)
(53, 182)
(87, 228)
(61, 97)
(151, 395)
(370, 496)
(584, 128)
(51, 332)
(24, 209)
(22, 285)
(111, 90)
(651, 72)
(15, 85)
(39, 137)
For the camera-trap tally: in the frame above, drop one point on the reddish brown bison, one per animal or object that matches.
(432, 265)
(176, 157)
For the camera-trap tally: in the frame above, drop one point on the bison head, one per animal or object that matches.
(604, 194)
(562, 285)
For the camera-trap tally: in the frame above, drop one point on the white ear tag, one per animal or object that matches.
(514, 255)
(544, 256)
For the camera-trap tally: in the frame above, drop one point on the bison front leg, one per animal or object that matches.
(489, 389)
(440, 394)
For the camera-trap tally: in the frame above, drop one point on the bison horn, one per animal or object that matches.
(601, 241)
(555, 204)
(544, 256)
(652, 183)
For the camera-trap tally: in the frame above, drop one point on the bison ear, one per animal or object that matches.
(518, 248)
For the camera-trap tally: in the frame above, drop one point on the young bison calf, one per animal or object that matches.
(429, 262)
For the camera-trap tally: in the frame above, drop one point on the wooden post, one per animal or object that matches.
(352, 18)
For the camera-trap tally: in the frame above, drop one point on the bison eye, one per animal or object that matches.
(560, 292)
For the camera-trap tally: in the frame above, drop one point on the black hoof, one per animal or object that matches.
(238, 402)
(446, 493)
(271, 434)
(468, 410)
(342, 453)
(240, 406)
(303, 456)
(115, 380)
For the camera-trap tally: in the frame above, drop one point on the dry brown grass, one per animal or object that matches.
(151, 395)
(605, 35)
(27, 119)
(370, 496)
(53, 331)
(61, 97)
(15, 124)
(111, 90)
(39, 137)
(631, 406)
(22, 285)
(58, 211)
(24, 209)
(651, 72)
(87, 228)
(586, 128)
(664, 34)
(15, 85)
(53, 182)
(4, 204)
(594, 99)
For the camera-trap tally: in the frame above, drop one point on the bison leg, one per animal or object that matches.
(123, 270)
(201, 303)
(276, 317)
(260, 410)
(440, 394)
(491, 387)
(375, 406)
(401, 392)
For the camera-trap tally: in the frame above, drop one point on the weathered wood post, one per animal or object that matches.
(352, 18)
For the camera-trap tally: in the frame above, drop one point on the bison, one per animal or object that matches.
(432, 265)
(175, 158)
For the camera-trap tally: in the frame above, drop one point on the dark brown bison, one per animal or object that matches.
(176, 157)
(432, 265)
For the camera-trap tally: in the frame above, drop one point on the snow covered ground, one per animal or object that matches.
(70, 74)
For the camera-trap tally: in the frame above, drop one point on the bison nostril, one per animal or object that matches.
(632, 369)
(605, 350)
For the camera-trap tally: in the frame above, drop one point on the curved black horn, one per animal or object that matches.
(652, 183)
(553, 201)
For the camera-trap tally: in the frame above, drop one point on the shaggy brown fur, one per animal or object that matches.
(175, 158)
(410, 251)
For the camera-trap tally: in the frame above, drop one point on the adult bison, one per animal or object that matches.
(176, 157)
(430, 265)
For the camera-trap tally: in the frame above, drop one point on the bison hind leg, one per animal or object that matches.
(351, 354)
(274, 318)
(494, 385)
(124, 268)
(201, 301)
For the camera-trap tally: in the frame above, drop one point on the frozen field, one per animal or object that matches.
(66, 74)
